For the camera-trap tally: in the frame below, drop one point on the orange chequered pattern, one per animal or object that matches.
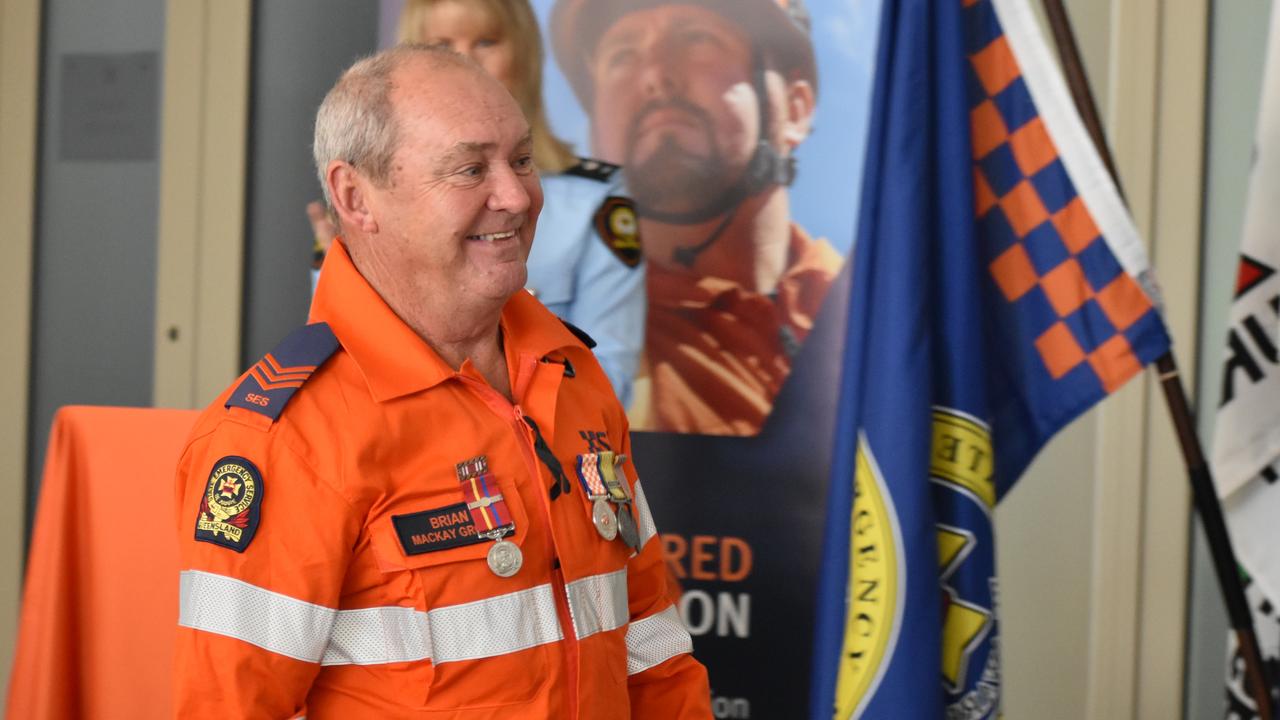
(1066, 287)
(995, 66)
(1026, 148)
(1075, 225)
(1059, 349)
(1032, 147)
(1014, 272)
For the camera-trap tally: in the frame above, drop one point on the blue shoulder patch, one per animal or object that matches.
(593, 169)
(274, 379)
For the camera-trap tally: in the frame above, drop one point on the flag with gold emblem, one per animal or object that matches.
(1000, 290)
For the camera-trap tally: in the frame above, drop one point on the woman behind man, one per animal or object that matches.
(585, 265)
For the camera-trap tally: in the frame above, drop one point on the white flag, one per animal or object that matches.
(1246, 442)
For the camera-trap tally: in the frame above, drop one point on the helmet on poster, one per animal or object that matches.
(779, 30)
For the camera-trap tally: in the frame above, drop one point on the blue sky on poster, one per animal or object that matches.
(825, 193)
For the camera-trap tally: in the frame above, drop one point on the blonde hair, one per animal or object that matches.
(520, 27)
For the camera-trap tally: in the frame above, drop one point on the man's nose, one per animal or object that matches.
(508, 192)
(660, 76)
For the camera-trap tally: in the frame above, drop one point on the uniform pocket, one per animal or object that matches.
(488, 636)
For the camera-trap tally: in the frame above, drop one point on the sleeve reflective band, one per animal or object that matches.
(234, 608)
(655, 640)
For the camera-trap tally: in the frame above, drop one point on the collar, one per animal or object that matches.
(807, 258)
(393, 359)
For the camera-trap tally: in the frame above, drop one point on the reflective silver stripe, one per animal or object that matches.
(494, 626)
(484, 628)
(373, 636)
(275, 622)
(647, 528)
(312, 633)
(598, 603)
(655, 640)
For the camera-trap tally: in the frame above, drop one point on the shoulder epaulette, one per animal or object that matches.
(581, 334)
(593, 169)
(274, 379)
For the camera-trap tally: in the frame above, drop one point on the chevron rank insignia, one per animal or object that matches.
(269, 384)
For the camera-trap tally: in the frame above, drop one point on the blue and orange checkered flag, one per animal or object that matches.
(1000, 290)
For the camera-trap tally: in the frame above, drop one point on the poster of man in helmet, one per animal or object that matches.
(739, 126)
(708, 106)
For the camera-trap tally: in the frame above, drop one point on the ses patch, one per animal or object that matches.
(231, 506)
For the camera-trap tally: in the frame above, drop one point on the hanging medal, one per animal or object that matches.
(489, 515)
(602, 515)
(620, 495)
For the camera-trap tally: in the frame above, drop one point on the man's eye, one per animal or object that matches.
(696, 36)
(523, 164)
(487, 42)
(620, 58)
(471, 171)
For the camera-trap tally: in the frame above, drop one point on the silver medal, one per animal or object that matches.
(605, 521)
(627, 526)
(505, 558)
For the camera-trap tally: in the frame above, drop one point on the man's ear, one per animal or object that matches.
(348, 188)
(799, 118)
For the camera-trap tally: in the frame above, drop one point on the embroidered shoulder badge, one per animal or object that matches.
(273, 380)
(619, 228)
(229, 510)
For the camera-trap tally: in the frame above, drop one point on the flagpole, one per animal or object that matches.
(1206, 499)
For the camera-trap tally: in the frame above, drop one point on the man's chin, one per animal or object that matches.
(690, 146)
(674, 194)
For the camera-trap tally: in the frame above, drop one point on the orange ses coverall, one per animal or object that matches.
(331, 562)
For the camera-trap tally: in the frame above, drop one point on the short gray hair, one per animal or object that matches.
(356, 122)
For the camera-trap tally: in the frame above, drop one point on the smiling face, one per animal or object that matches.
(675, 103)
(453, 224)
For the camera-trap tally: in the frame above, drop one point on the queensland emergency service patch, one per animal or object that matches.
(229, 510)
(619, 228)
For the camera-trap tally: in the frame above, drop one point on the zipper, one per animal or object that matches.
(520, 425)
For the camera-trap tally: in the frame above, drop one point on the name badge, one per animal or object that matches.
(441, 528)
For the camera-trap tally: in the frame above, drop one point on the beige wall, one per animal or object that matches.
(205, 99)
(19, 76)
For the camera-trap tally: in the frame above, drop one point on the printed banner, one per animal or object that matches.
(740, 126)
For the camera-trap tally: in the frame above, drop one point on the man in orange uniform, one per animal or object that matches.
(420, 504)
(703, 102)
